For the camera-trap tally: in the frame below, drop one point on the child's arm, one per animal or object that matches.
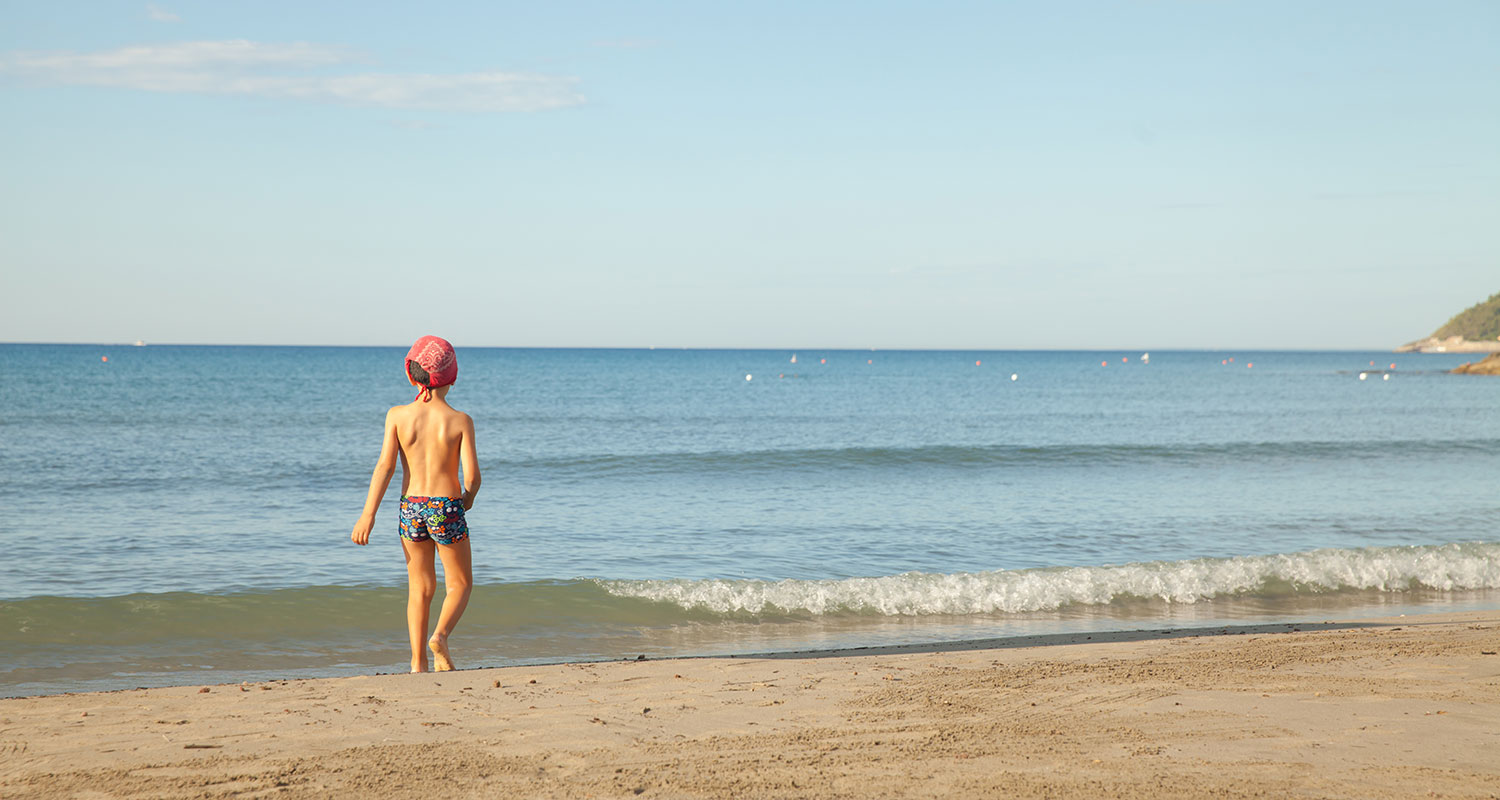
(469, 460)
(385, 467)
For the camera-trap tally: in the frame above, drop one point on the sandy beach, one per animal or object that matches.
(1406, 707)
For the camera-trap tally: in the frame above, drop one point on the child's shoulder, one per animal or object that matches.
(398, 413)
(459, 419)
(409, 410)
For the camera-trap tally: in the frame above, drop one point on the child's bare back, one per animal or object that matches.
(434, 443)
(430, 437)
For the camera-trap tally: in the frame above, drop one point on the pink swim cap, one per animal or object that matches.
(435, 355)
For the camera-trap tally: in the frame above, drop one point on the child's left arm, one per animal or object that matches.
(385, 467)
(468, 458)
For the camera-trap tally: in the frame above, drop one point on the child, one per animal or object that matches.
(433, 440)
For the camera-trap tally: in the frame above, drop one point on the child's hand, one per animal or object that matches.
(361, 534)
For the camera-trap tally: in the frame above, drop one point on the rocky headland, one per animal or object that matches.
(1474, 330)
(1490, 365)
(1452, 344)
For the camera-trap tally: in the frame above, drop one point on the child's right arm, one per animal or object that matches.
(385, 467)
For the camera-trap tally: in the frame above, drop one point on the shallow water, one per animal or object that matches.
(658, 502)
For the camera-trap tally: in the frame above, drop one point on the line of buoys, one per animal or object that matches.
(1014, 376)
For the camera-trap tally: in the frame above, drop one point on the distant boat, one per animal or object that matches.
(1145, 358)
(794, 358)
(139, 343)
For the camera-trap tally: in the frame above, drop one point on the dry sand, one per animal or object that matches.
(1392, 708)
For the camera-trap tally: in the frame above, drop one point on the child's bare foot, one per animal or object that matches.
(440, 660)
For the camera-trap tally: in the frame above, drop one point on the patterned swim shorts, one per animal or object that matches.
(440, 519)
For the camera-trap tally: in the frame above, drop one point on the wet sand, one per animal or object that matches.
(1404, 707)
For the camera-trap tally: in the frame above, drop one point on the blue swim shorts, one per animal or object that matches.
(440, 519)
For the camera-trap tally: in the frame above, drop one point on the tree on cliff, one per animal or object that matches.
(1478, 323)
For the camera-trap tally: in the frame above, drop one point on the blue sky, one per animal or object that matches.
(965, 175)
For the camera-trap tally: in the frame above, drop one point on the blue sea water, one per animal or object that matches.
(181, 513)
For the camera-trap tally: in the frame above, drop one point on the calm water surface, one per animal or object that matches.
(182, 513)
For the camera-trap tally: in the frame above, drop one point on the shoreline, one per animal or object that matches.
(492, 647)
(1374, 707)
(1449, 346)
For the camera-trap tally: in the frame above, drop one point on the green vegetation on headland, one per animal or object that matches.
(1478, 322)
(1474, 330)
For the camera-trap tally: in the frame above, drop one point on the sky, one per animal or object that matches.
(933, 174)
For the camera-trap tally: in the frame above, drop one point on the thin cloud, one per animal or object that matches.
(1019, 275)
(241, 67)
(627, 44)
(113, 67)
(160, 14)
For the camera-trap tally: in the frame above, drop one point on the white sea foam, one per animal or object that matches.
(1449, 567)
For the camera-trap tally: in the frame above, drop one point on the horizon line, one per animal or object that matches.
(794, 349)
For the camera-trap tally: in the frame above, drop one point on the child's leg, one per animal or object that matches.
(458, 580)
(421, 583)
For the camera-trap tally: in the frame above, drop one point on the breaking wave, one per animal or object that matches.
(1447, 567)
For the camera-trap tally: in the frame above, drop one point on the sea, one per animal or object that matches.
(180, 515)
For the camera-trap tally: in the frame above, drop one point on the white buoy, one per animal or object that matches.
(748, 377)
(1013, 376)
(1362, 376)
(1385, 377)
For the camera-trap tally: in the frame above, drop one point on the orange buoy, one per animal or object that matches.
(1124, 359)
(976, 363)
(1250, 365)
(1393, 366)
(1103, 363)
(822, 361)
(104, 358)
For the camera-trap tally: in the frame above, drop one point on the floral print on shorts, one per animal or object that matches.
(440, 519)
